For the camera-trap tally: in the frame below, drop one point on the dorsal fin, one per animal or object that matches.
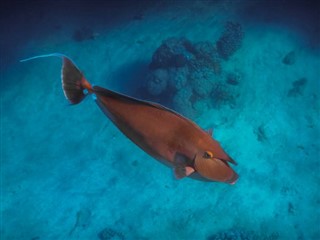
(108, 92)
(210, 131)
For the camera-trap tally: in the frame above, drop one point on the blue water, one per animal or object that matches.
(248, 69)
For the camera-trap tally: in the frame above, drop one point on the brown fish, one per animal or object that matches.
(162, 133)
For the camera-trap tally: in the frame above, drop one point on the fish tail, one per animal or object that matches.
(74, 84)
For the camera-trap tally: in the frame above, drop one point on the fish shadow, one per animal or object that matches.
(131, 79)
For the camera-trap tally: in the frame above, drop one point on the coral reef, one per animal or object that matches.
(204, 50)
(157, 82)
(202, 81)
(230, 41)
(192, 72)
(110, 234)
(171, 53)
(297, 87)
(222, 95)
(178, 77)
(206, 55)
(290, 58)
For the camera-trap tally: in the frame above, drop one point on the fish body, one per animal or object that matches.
(164, 134)
(161, 132)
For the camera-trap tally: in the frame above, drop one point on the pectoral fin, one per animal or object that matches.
(181, 168)
(181, 172)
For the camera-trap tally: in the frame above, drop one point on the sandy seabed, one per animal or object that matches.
(68, 173)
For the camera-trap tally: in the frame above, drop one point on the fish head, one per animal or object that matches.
(214, 169)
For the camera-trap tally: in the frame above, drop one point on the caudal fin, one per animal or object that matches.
(74, 83)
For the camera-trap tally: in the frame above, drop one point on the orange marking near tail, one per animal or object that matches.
(86, 85)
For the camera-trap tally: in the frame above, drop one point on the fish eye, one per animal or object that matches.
(207, 154)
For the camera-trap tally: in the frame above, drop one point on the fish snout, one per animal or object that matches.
(215, 169)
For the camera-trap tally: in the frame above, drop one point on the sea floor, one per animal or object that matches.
(68, 173)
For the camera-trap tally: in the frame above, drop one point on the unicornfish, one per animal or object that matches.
(164, 134)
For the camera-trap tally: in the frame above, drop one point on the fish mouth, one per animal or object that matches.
(233, 179)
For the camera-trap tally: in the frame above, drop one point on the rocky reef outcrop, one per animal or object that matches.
(191, 74)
